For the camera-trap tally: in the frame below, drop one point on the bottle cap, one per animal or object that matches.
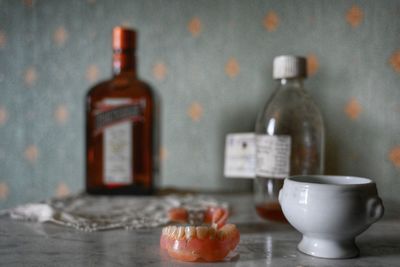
(288, 66)
(123, 38)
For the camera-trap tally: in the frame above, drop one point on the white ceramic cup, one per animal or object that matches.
(330, 211)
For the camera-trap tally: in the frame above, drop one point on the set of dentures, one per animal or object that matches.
(210, 242)
(200, 232)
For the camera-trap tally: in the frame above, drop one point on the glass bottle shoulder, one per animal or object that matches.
(120, 87)
(288, 110)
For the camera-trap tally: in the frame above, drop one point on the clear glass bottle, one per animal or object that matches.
(289, 136)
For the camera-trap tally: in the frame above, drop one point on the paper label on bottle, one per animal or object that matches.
(273, 156)
(114, 118)
(240, 155)
(112, 111)
(117, 153)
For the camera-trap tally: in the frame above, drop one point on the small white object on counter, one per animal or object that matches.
(38, 212)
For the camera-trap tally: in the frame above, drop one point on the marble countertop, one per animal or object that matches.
(262, 244)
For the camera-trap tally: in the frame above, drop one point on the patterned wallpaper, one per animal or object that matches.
(210, 62)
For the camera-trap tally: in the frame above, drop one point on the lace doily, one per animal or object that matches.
(97, 213)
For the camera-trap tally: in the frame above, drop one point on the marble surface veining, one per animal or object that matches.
(262, 244)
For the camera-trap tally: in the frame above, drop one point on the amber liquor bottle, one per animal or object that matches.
(119, 126)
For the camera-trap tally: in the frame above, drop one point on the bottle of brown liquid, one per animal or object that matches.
(119, 126)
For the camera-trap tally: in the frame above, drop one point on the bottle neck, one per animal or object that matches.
(124, 62)
(295, 83)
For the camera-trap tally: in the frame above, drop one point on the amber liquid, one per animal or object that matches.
(271, 211)
(124, 85)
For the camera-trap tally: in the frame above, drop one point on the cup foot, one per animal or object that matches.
(328, 248)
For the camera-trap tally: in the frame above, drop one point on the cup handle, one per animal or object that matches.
(375, 209)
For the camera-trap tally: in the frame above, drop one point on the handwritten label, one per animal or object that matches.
(273, 156)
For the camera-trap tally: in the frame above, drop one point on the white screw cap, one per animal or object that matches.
(288, 66)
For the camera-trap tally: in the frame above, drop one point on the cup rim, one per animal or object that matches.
(331, 181)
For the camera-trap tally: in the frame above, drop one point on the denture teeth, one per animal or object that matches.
(201, 232)
(190, 232)
(180, 233)
(172, 231)
(165, 230)
(212, 232)
(221, 235)
(226, 230)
